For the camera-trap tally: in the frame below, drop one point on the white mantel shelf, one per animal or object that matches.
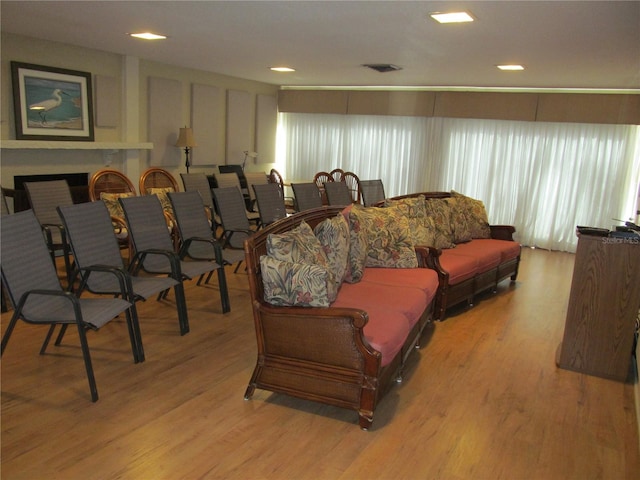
(71, 145)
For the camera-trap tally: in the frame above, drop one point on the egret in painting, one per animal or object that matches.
(47, 105)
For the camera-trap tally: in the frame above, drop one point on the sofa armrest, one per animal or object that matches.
(502, 232)
(315, 336)
(429, 257)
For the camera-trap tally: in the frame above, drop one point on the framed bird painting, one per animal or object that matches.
(52, 103)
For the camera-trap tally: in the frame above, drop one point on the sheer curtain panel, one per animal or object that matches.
(544, 178)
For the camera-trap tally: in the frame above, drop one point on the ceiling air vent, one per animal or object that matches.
(382, 67)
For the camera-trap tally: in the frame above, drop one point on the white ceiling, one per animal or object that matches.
(563, 44)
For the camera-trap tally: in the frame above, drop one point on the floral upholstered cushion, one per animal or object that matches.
(112, 203)
(421, 226)
(295, 284)
(388, 238)
(333, 234)
(357, 257)
(440, 211)
(161, 193)
(300, 245)
(459, 220)
(477, 218)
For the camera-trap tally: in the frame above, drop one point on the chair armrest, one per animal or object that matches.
(137, 261)
(429, 257)
(123, 277)
(75, 302)
(217, 249)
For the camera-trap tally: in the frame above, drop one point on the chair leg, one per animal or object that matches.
(224, 292)
(237, 266)
(63, 330)
(135, 336)
(9, 331)
(87, 363)
(181, 304)
(45, 344)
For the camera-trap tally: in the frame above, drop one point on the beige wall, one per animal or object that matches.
(98, 63)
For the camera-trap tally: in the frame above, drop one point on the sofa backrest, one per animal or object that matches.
(427, 195)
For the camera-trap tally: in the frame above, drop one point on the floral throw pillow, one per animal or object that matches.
(112, 203)
(459, 220)
(421, 226)
(300, 245)
(333, 235)
(295, 284)
(477, 218)
(161, 193)
(388, 237)
(357, 257)
(440, 211)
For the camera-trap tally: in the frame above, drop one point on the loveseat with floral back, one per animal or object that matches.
(340, 299)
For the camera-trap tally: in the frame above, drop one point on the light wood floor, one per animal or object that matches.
(482, 400)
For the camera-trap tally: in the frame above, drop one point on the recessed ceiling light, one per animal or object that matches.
(451, 17)
(282, 69)
(148, 36)
(510, 68)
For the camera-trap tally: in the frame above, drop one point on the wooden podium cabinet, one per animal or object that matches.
(603, 307)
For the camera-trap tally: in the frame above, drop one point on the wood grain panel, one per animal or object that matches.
(589, 108)
(414, 104)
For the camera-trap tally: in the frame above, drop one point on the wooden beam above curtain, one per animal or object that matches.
(607, 108)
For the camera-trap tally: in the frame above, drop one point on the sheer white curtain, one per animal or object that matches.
(544, 178)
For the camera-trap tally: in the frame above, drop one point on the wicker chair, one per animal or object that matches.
(337, 174)
(109, 185)
(353, 183)
(156, 177)
(320, 179)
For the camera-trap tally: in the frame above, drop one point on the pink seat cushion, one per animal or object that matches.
(487, 255)
(423, 278)
(409, 301)
(459, 267)
(490, 251)
(386, 331)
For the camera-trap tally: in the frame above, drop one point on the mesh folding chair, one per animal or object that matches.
(254, 178)
(307, 196)
(372, 192)
(270, 201)
(338, 193)
(224, 180)
(235, 225)
(197, 240)
(38, 298)
(100, 264)
(153, 245)
(44, 197)
(199, 182)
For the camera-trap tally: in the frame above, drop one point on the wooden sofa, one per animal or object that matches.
(471, 267)
(347, 354)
